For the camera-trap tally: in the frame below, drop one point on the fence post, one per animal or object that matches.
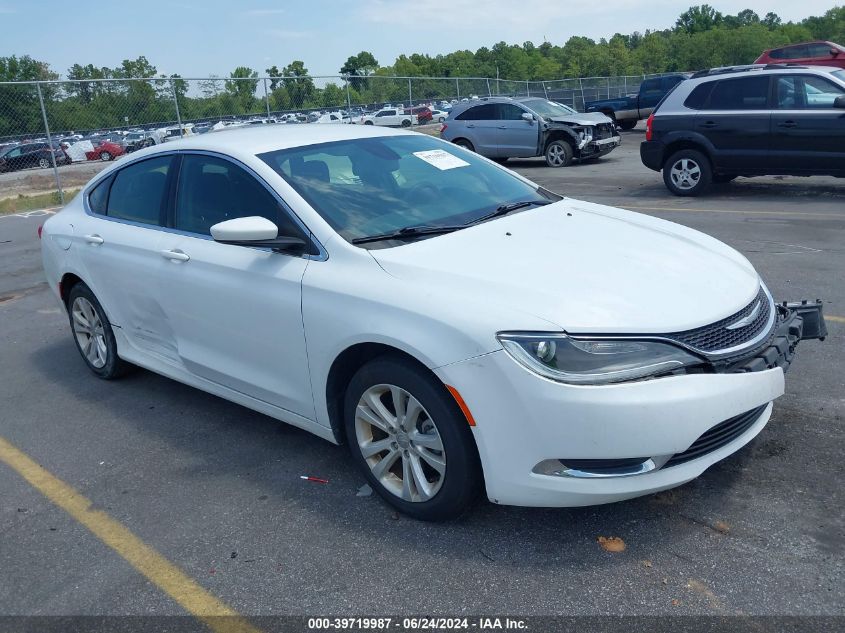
(266, 97)
(545, 92)
(411, 101)
(458, 88)
(583, 101)
(176, 102)
(348, 97)
(489, 94)
(50, 144)
(626, 85)
(608, 87)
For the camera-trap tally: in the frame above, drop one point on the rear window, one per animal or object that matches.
(486, 112)
(747, 93)
(99, 196)
(699, 96)
(138, 191)
(790, 52)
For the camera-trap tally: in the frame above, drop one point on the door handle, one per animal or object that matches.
(176, 256)
(788, 124)
(709, 124)
(503, 127)
(94, 239)
(470, 125)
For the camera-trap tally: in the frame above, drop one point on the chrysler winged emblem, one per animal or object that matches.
(747, 320)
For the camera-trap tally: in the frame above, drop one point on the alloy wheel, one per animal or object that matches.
(89, 332)
(556, 155)
(43, 163)
(400, 443)
(685, 174)
(105, 156)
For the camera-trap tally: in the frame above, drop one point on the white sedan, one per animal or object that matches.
(457, 325)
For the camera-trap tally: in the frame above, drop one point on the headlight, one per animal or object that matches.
(592, 362)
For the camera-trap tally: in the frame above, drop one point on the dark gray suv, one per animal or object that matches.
(748, 121)
(502, 128)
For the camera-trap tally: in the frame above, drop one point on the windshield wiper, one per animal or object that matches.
(408, 232)
(507, 208)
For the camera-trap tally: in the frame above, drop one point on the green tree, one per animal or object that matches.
(241, 86)
(698, 19)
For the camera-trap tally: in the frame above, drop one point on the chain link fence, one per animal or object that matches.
(55, 135)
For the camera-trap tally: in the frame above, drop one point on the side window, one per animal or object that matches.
(747, 93)
(668, 82)
(510, 112)
(820, 93)
(99, 196)
(213, 190)
(778, 53)
(698, 97)
(818, 50)
(796, 52)
(139, 191)
(486, 112)
(788, 93)
(14, 153)
(650, 85)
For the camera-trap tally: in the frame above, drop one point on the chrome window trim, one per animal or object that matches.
(730, 351)
(322, 255)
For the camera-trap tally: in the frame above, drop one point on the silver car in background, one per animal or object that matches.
(504, 127)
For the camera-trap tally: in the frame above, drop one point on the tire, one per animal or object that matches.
(43, 163)
(101, 357)
(406, 123)
(500, 159)
(462, 142)
(105, 156)
(558, 154)
(627, 124)
(438, 449)
(441, 119)
(368, 123)
(687, 173)
(721, 179)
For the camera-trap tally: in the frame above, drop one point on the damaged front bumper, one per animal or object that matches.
(797, 321)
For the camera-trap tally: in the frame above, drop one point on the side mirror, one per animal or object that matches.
(834, 52)
(255, 231)
(527, 116)
(839, 102)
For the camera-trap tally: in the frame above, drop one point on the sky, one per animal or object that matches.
(197, 38)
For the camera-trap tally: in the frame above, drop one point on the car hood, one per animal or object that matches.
(583, 267)
(585, 118)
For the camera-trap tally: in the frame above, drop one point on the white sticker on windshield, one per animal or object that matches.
(441, 159)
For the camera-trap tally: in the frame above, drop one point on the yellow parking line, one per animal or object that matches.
(838, 319)
(735, 211)
(157, 569)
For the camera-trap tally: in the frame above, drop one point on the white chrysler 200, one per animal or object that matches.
(454, 323)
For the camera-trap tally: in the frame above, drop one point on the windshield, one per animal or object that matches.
(373, 186)
(548, 109)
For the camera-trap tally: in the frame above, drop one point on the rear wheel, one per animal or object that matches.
(628, 124)
(411, 440)
(687, 173)
(558, 154)
(462, 142)
(406, 123)
(105, 156)
(93, 334)
(501, 159)
(43, 163)
(368, 123)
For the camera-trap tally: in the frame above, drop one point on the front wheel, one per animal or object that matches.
(411, 440)
(43, 163)
(93, 334)
(105, 156)
(406, 123)
(368, 123)
(628, 124)
(687, 173)
(558, 154)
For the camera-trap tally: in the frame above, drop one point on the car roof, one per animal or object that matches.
(737, 71)
(257, 139)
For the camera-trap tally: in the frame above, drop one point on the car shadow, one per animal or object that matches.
(226, 442)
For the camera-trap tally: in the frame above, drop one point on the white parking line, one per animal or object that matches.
(31, 214)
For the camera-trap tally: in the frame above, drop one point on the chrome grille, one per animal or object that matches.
(717, 338)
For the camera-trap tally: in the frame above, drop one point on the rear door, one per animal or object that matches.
(736, 120)
(117, 242)
(481, 124)
(808, 133)
(516, 136)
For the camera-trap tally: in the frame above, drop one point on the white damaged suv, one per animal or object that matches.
(457, 325)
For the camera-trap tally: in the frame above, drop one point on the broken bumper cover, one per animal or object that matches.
(544, 443)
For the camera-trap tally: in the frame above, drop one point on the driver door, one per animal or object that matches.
(517, 137)
(234, 312)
